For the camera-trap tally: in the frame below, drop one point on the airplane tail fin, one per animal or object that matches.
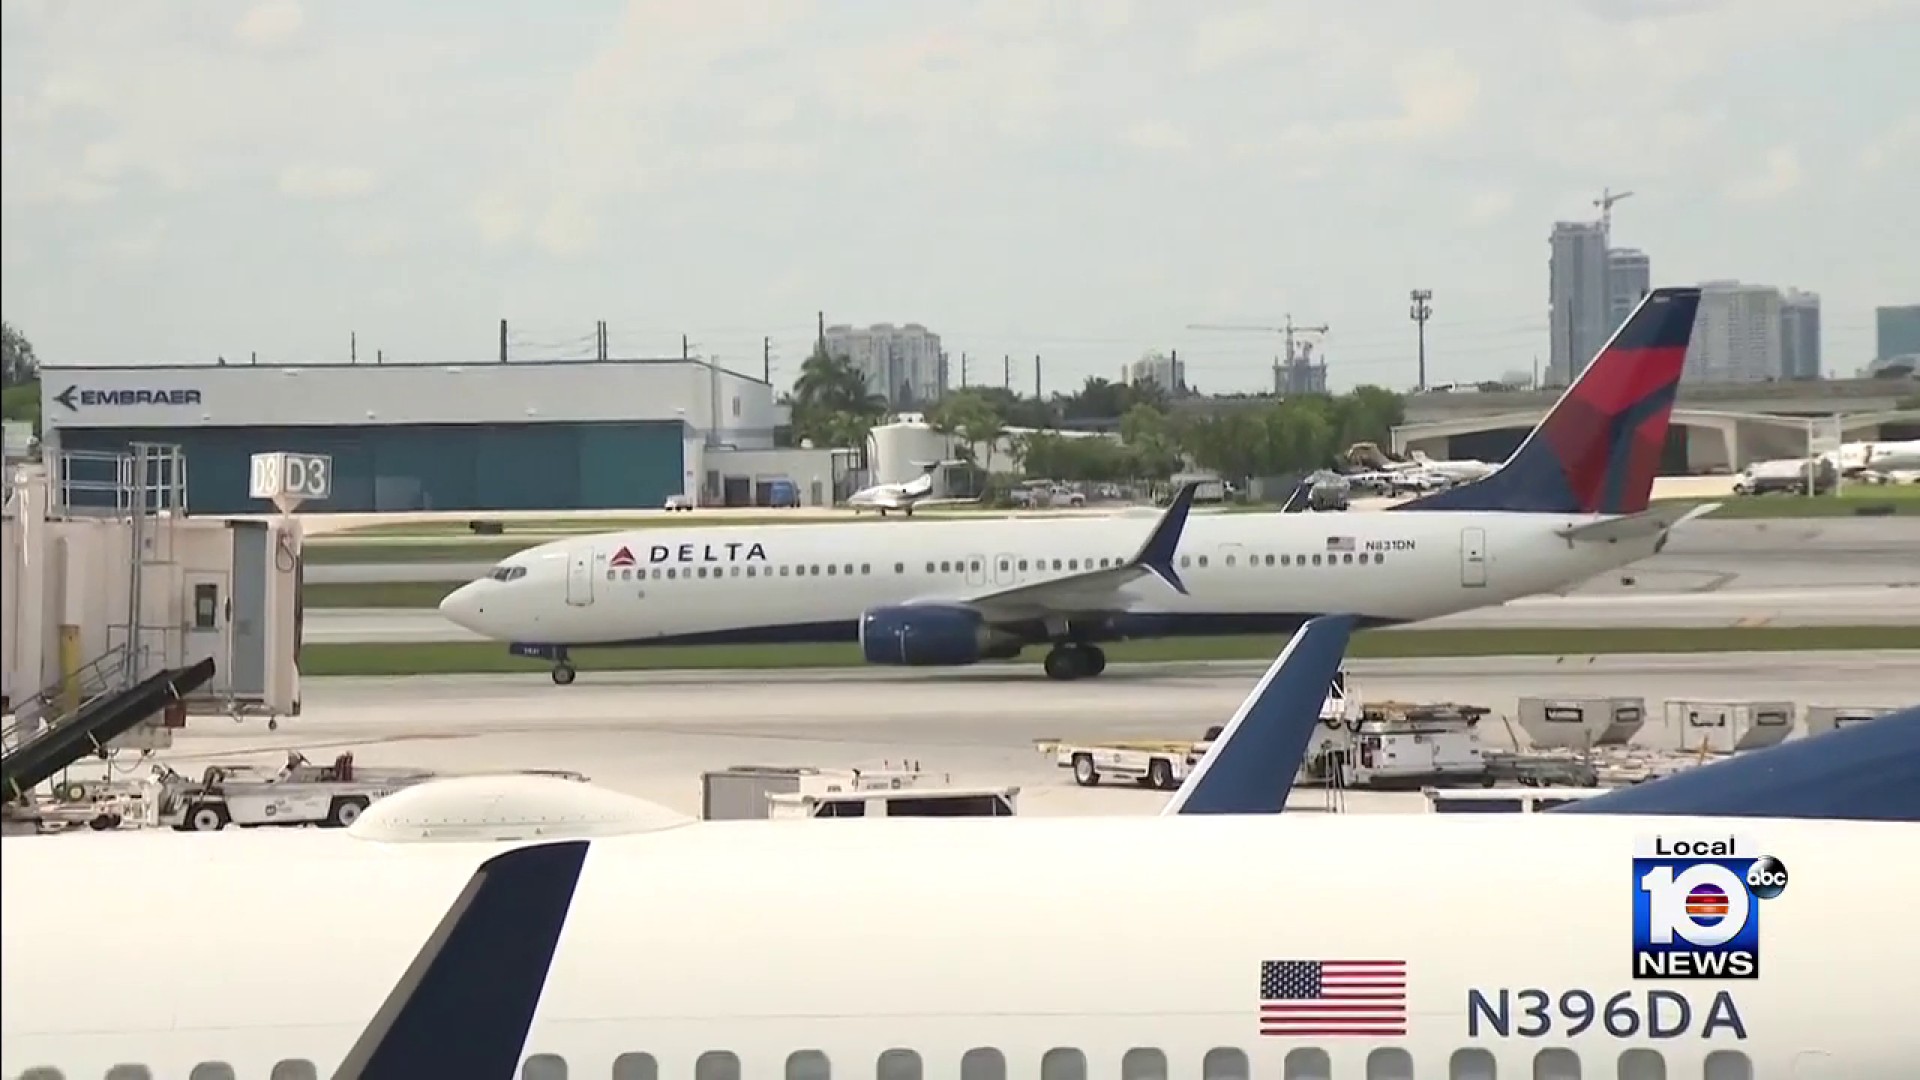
(1600, 445)
(466, 1003)
(1251, 766)
(1865, 772)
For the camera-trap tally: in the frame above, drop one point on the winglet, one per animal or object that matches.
(1251, 766)
(1864, 772)
(1157, 553)
(466, 1003)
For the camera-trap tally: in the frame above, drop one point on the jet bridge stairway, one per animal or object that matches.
(89, 729)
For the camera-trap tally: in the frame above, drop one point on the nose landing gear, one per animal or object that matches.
(563, 673)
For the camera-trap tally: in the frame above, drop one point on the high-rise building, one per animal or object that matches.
(1736, 335)
(902, 363)
(1800, 335)
(1164, 369)
(1629, 279)
(1896, 331)
(1577, 297)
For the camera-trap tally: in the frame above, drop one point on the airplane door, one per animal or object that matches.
(1473, 558)
(580, 576)
(1003, 569)
(976, 569)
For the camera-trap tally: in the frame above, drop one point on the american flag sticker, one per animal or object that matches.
(1324, 998)
(1340, 543)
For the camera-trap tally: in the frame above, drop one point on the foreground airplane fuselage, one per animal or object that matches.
(1244, 573)
(1175, 946)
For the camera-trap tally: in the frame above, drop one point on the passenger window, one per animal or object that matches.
(1307, 1063)
(736, 571)
(1379, 557)
(1348, 559)
(1390, 1063)
(929, 568)
(1186, 560)
(1316, 560)
(1229, 560)
(1143, 1063)
(946, 567)
(983, 1062)
(808, 1065)
(1073, 564)
(129, 1072)
(671, 573)
(849, 569)
(832, 569)
(899, 568)
(1557, 1063)
(1225, 1063)
(302, 1069)
(865, 568)
(215, 1070)
(753, 571)
(1728, 1065)
(611, 574)
(717, 1065)
(636, 1066)
(1023, 565)
(1472, 1064)
(1203, 560)
(975, 565)
(1269, 560)
(1063, 1062)
(1286, 560)
(897, 1064)
(1642, 1065)
(544, 1067)
(783, 571)
(1056, 564)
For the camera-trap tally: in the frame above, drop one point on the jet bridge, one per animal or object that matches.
(112, 583)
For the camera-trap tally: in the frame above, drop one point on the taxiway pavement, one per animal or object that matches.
(652, 733)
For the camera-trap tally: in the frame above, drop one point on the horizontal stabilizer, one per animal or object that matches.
(1864, 772)
(1638, 526)
(1251, 766)
(466, 1003)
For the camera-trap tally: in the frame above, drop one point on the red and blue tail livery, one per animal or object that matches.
(1599, 447)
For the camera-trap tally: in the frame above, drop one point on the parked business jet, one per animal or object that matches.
(1571, 503)
(1878, 457)
(902, 497)
(1363, 945)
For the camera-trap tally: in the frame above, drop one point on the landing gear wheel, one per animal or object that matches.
(1083, 771)
(1063, 662)
(563, 674)
(1096, 659)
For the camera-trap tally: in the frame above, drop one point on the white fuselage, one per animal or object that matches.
(1883, 457)
(893, 496)
(740, 581)
(941, 937)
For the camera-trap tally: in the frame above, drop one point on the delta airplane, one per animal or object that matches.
(1571, 503)
(571, 931)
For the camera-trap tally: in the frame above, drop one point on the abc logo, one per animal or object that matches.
(1767, 877)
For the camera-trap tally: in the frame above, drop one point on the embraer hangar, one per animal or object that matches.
(547, 435)
(1716, 428)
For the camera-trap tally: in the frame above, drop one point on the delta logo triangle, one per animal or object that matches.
(623, 557)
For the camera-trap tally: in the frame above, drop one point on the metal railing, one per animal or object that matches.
(108, 673)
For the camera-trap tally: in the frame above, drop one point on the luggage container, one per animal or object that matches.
(1824, 718)
(1727, 727)
(1581, 723)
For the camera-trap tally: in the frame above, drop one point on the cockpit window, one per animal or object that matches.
(508, 573)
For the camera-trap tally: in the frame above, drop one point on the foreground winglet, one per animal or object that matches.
(1251, 766)
(465, 1004)
(1865, 772)
(1156, 555)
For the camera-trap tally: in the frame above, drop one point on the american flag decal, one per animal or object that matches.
(1321, 998)
(1340, 543)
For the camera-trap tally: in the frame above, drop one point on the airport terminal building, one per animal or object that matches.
(488, 436)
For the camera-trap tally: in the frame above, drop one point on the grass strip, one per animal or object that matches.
(462, 658)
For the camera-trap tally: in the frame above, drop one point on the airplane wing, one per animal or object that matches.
(1095, 591)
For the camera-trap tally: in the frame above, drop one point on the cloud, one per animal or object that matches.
(1779, 174)
(270, 24)
(326, 182)
(1155, 136)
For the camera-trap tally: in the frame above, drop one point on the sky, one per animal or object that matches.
(1080, 180)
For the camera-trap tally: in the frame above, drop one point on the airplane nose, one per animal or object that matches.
(462, 607)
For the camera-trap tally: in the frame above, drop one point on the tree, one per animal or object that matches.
(20, 397)
(21, 366)
(830, 401)
(972, 417)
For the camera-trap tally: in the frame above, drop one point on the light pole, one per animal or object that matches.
(1420, 311)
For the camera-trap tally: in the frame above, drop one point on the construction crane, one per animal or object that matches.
(1302, 354)
(1605, 203)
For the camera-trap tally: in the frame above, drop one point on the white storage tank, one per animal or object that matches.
(1726, 727)
(1824, 718)
(1578, 723)
(898, 445)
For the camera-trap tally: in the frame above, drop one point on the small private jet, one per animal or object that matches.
(903, 496)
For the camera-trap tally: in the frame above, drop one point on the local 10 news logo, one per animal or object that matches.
(1696, 906)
